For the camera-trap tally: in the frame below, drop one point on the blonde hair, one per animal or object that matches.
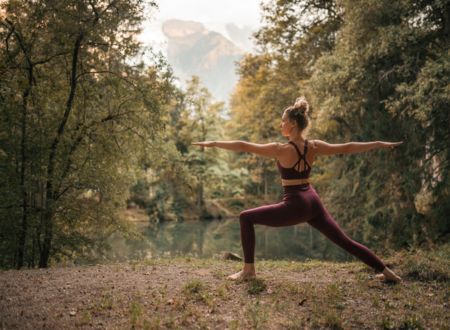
(299, 113)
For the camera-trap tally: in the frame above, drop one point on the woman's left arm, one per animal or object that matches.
(267, 150)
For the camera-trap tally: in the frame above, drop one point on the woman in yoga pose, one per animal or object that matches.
(301, 202)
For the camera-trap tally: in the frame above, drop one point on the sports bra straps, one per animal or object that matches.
(300, 155)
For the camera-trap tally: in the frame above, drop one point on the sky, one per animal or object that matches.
(214, 14)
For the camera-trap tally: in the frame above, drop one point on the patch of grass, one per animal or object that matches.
(296, 266)
(106, 303)
(163, 292)
(295, 323)
(169, 323)
(310, 264)
(135, 311)
(222, 290)
(256, 286)
(410, 323)
(196, 290)
(135, 265)
(361, 276)
(327, 302)
(375, 301)
(188, 314)
(327, 318)
(219, 273)
(153, 323)
(427, 266)
(86, 319)
(149, 262)
(386, 323)
(280, 306)
(257, 315)
(292, 288)
(193, 287)
(233, 325)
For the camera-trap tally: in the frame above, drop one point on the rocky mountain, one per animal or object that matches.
(194, 50)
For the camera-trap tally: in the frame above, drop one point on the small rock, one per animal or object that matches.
(72, 313)
(230, 256)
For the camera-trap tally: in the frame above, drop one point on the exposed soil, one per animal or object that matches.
(195, 294)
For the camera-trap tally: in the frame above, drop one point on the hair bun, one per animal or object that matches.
(301, 105)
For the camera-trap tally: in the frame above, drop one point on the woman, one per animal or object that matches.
(300, 202)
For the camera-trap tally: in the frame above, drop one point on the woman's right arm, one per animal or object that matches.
(324, 148)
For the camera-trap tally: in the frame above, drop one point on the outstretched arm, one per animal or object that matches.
(325, 148)
(267, 150)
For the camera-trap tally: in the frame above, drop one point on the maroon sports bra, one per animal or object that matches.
(290, 173)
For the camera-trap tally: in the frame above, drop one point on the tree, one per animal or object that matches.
(86, 114)
(384, 51)
(371, 70)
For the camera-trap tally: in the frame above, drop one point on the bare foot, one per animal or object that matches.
(388, 276)
(242, 276)
(380, 277)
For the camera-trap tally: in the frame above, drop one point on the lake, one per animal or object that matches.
(204, 239)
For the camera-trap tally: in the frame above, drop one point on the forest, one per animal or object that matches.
(91, 122)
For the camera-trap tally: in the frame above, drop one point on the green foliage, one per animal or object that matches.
(177, 186)
(374, 70)
(76, 119)
(82, 120)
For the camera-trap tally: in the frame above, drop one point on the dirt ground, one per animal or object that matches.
(189, 293)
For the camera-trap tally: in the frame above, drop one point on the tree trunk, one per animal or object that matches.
(48, 236)
(24, 225)
(49, 189)
(25, 96)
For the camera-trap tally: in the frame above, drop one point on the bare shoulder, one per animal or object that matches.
(313, 143)
(313, 149)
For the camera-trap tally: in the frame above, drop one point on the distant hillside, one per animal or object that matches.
(240, 36)
(194, 50)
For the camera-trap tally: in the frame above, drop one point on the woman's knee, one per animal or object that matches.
(245, 216)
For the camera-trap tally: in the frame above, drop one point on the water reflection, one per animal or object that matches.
(207, 238)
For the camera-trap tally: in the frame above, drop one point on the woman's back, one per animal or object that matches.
(295, 159)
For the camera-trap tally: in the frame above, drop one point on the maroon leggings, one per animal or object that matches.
(301, 204)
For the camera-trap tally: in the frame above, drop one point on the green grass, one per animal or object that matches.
(427, 266)
(197, 291)
(256, 286)
(257, 315)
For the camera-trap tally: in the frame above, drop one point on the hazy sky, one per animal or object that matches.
(242, 12)
(214, 14)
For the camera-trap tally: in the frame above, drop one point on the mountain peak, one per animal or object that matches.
(194, 50)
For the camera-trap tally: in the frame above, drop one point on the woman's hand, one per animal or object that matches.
(205, 143)
(391, 145)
